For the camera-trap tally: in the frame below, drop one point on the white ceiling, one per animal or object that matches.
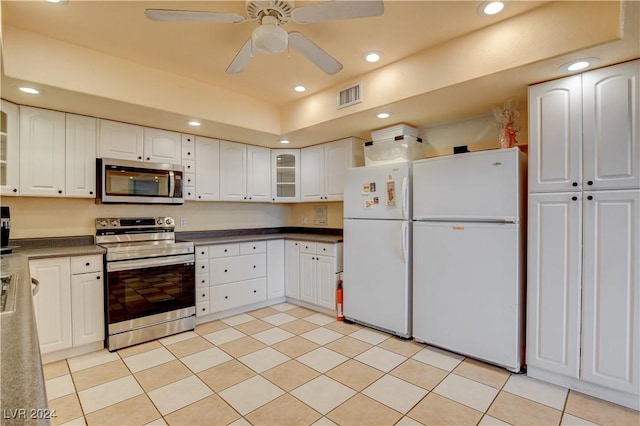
(202, 51)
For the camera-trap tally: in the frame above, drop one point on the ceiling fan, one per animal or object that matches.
(269, 37)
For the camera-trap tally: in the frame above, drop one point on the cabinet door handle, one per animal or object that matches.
(574, 198)
(87, 264)
(254, 266)
(574, 184)
(90, 192)
(139, 158)
(59, 191)
(225, 250)
(226, 297)
(148, 158)
(202, 266)
(590, 197)
(15, 189)
(255, 291)
(98, 277)
(226, 270)
(590, 182)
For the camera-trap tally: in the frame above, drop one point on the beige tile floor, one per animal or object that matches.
(286, 365)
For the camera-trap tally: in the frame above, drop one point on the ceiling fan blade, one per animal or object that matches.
(314, 53)
(336, 10)
(193, 16)
(241, 60)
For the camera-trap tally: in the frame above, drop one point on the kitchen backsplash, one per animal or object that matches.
(33, 217)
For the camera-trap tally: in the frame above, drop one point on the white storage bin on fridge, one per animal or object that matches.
(394, 150)
(394, 131)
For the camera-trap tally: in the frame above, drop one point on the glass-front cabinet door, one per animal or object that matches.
(286, 175)
(9, 119)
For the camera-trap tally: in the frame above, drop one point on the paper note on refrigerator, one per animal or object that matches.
(391, 192)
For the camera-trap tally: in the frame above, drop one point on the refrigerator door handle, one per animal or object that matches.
(405, 241)
(405, 198)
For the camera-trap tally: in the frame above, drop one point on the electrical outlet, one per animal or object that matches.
(304, 220)
(183, 222)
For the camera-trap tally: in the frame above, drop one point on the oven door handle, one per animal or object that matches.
(126, 265)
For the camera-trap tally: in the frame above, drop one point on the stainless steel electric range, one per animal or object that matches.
(150, 285)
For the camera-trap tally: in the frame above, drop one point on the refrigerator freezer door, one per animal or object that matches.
(485, 185)
(468, 292)
(376, 274)
(378, 192)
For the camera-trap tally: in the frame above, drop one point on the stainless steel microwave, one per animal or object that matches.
(136, 182)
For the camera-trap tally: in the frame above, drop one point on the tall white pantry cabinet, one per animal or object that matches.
(583, 291)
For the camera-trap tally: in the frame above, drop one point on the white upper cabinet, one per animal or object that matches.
(285, 175)
(233, 171)
(555, 135)
(42, 152)
(323, 168)
(81, 140)
(9, 146)
(258, 173)
(312, 173)
(583, 131)
(245, 172)
(120, 140)
(162, 146)
(611, 140)
(207, 161)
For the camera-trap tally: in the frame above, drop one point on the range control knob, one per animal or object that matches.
(103, 223)
(168, 221)
(114, 222)
(159, 221)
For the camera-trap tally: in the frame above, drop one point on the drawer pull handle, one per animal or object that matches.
(202, 281)
(254, 266)
(226, 270)
(254, 247)
(204, 309)
(87, 264)
(203, 295)
(202, 266)
(98, 277)
(225, 250)
(255, 291)
(226, 297)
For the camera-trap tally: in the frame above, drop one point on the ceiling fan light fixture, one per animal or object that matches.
(269, 37)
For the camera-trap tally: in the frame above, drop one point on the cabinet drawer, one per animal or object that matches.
(308, 247)
(202, 294)
(202, 252)
(189, 166)
(253, 247)
(202, 308)
(326, 249)
(229, 296)
(224, 250)
(84, 264)
(238, 268)
(202, 266)
(188, 147)
(202, 280)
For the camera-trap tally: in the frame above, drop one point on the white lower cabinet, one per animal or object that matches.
(311, 277)
(583, 293)
(232, 275)
(69, 303)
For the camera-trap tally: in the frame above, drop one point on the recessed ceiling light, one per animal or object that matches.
(383, 115)
(491, 7)
(373, 56)
(57, 1)
(284, 141)
(300, 89)
(193, 123)
(29, 90)
(579, 64)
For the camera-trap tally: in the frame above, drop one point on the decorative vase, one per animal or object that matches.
(507, 138)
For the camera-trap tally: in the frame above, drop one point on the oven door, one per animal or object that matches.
(141, 288)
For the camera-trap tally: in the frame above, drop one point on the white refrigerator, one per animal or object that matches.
(377, 247)
(468, 254)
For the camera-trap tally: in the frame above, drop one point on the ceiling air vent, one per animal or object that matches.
(350, 96)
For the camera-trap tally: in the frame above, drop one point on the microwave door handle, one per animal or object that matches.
(172, 183)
